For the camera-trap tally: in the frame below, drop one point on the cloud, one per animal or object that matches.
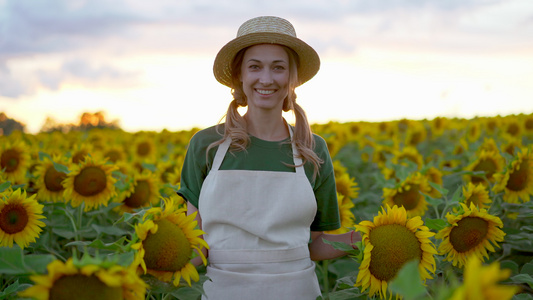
(75, 71)
(11, 87)
(102, 32)
(46, 26)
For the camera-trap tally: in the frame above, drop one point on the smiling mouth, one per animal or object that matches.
(265, 92)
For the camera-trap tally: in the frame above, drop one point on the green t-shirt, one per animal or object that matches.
(263, 156)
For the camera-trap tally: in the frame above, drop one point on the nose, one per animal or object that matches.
(266, 77)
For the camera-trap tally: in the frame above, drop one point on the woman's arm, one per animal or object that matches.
(321, 251)
(197, 261)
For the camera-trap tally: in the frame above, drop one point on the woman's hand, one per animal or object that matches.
(321, 251)
(197, 261)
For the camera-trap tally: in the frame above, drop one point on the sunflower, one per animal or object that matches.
(477, 194)
(489, 145)
(347, 186)
(334, 144)
(80, 152)
(512, 126)
(167, 169)
(19, 218)
(15, 160)
(472, 232)
(90, 182)
(473, 130)
(381, 154)
(510, 145)
(489, 162)
(517, 180)
(345, 211)
(492, 124)
(461, 147)
(66, 280)
(409, 194)
(438, 126)
(144, 192)
(391, 240)
(144, 148)
(49, 180)
(339, 168)
(528, 123)
(167, 242)
(408, 154)
(480, 282)
(114, 153)
(416, 134)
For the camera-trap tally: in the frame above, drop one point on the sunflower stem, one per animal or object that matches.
(79, 223)
(325, 279)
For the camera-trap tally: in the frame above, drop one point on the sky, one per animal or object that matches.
(148, 64)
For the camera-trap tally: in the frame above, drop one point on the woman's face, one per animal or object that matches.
(265, 76)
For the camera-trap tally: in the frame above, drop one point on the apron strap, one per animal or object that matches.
(221, 152)
(257, 256)
(295, 154)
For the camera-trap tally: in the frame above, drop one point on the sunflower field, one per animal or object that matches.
(443, 205)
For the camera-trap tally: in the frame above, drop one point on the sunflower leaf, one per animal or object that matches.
(12, 289)
(98, 244)
(4, 186)
(439, 187)
(351, 293)
(42, 155)
(523, 278)
(340, 246)
(61, 168)
(407, 282)
(14, 262)
(435, 224)
(527, 269)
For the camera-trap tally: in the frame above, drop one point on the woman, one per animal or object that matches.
(264, 190)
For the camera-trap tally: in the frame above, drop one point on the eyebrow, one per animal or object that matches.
(276, 61)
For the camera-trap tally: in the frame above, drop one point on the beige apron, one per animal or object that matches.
(257, 225)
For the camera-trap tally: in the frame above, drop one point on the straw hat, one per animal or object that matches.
(266, 30)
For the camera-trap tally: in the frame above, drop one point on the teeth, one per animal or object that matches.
(265, 92)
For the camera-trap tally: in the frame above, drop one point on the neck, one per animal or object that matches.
(268, 128)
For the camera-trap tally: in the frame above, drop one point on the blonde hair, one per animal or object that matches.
(235, 126)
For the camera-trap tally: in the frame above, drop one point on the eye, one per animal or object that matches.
(279, 68)
(253, 67)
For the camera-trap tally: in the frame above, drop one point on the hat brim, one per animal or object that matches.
(309, 61)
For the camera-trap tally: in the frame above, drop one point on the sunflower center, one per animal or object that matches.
(10, 160)
(53, 179)
(518, 178)
(474, 198)
(529, 124)
(143, 149)
(13, 218)
(513, 129)
(394, 245)
(468, 233)
(113, 155)
(140, 196)
(168, 249)
(409, 199)
(83, 287)
(416, 138)
(91, 181)
(79, 156)
(486, 165)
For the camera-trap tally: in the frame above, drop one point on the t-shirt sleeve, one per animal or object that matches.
(195, 169)
(327, 215)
